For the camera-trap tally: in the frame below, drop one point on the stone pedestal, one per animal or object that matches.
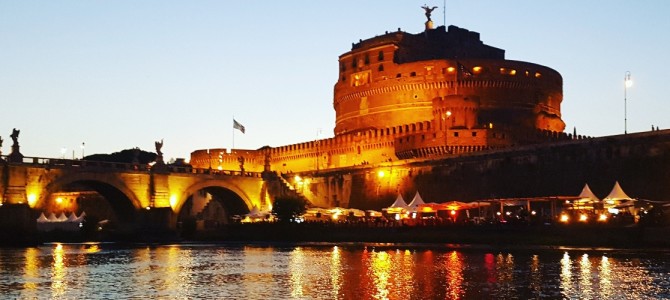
(429, 25)
(15, 156)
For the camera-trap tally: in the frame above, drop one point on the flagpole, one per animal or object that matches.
(444, 13)
(231, 149)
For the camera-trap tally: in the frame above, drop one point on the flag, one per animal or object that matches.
(238, 126)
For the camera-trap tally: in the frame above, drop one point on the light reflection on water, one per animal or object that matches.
(66, 271)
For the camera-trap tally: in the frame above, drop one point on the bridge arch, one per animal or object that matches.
(213, 183)
(122, 199)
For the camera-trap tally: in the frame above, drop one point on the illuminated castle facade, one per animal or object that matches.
(402, 96)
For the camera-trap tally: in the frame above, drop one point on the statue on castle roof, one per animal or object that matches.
(159, 146)
(428, 10)
(15, 136)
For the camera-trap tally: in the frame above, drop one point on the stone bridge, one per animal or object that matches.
(158, 193)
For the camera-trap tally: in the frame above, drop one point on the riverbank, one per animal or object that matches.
(578, 236)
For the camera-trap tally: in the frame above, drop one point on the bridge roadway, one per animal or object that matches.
(141, 187)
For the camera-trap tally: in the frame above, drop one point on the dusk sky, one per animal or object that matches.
(122, 74)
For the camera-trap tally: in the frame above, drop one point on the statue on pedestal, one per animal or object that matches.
(428, 11)
(15, 137)
(15, 156)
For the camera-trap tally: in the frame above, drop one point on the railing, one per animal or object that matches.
(49, 163)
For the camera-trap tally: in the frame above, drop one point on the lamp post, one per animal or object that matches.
(627, 83)
(83, 145)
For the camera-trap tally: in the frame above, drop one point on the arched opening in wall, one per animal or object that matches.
(98, 206)
(210, 208)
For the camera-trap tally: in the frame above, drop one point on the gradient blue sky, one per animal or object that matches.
(123, 74)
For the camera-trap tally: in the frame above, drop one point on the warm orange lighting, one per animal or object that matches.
(538, 75)
(451, 69)
(381, 174)
(490, 125)
(512, 72)
(59, 200)
(297, 178)
(565, 218)
(533, 213)
(32, 199)
(453, 212)
(427, 209)
(503, 71)
(583, 218)
(448, 113)
(477, 69)
(173, 201)
(148, 208)
(602, 218)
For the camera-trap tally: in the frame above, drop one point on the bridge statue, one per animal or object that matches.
(15, 137)
(428, 11)
(159, 146)
(1, 147)
(15, 156)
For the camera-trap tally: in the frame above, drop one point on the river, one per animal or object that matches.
(328, 271)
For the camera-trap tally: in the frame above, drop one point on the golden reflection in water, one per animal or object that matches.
(174, 284)
(566, 273)
(58, 272)
(336, 272)
(585, 277)
(505, 272)
(454, 276)
(535, 275)
(605, 278)
(297, 268)
(143, 274)
(31, 270)
(381, 267)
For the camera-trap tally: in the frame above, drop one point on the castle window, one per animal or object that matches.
(477, 69)
(380, 68)
(343, 67)
(474, 133)
(344, 78)
(455, 133)
(367, 59)
(380, 56)
(398, 75)
(434, 135)
(451, 69)
(538, 75)
(412, 74)
(444, 70)
(354, 62)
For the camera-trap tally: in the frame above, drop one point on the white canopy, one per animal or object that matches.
(617, 193)
(42, 219)
(416, 201)
(587, 194)
(72, 218)
(62, 217)
(52, 218)
(399, 202)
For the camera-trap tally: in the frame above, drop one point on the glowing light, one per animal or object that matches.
(59, 200)
(628, 81)
(297, 178)
(498, 213)
(381, 174)
(533, 213)
(451, 69)
(614, 211)
(173, 201)
(508, 213)
(148, 208)
(602, 218)
(538, 75)
(397, 217)
(583, 217)
(512, 72)
(32, 199)
(565, 218)
(477, 69)
(490, 125)
(448, 113)
(453, 212)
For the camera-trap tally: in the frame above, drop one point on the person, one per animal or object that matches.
(159, 146)
(428, 11)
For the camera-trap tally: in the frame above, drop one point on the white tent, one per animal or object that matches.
(62, 217)
(72, 218)
(52, 218)
(587, 194)
(399, 203)
(42, 219)
(416, 201)
(81, 217)
(617, 193)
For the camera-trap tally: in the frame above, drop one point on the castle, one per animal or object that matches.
(403, 96)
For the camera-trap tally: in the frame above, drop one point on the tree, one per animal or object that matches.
(286, 209)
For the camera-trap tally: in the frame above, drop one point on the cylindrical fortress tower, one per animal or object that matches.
(391, 80)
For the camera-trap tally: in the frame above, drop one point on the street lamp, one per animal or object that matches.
(63, 151)
(83, 145)
(627, 83)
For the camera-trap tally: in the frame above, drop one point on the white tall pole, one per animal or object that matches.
(444, 13)
(627, 83)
